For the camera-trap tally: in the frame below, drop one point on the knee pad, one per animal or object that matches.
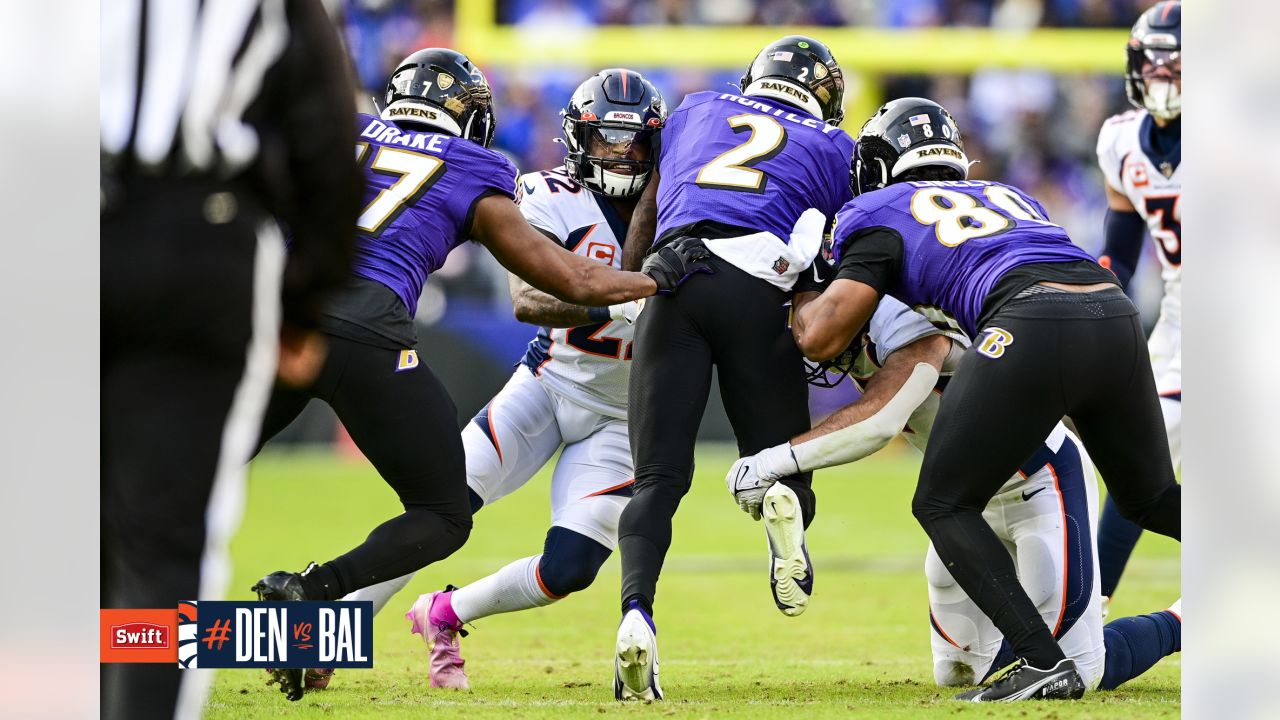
(570, 561)
(1038, 572)
(936, 572)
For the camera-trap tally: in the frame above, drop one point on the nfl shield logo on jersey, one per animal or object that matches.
(781, 265)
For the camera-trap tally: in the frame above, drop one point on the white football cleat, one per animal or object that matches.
(635, 662)
(790, 573)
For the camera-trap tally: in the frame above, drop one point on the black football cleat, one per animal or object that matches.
(1023, 682)
(276, 587)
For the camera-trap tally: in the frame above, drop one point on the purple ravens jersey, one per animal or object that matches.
(958, 239)
(748, 164)
(420, 190)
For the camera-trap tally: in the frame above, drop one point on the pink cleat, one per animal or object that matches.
(433, 618)
(317, 678)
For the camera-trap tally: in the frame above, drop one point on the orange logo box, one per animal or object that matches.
(149, 636)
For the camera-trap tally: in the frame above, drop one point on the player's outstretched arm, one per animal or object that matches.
(499, 226)
(643, 227)
(824, 325)
(851, 433)
(538, 308)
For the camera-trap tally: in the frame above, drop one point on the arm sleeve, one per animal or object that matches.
(861, 439)
(306, 113)
(872, 256)
(1123, 232)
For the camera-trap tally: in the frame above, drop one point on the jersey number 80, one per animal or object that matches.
(958, 217)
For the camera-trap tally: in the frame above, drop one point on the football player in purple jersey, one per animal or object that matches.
(431, 183)
(740, 170)
(1053, 336)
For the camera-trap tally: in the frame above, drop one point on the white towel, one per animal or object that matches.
(767, 257)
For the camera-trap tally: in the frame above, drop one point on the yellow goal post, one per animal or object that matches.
(865, 53)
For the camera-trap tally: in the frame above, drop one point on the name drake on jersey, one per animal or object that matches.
(379, 132)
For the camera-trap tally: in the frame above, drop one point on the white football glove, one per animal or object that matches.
(750, 477)
(627, 312)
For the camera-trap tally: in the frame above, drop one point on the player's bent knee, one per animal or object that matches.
(570, 561)
(953, 673)
(1038, 572)
(936, 572)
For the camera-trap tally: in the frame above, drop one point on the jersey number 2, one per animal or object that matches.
(734, 169)
(415, 173)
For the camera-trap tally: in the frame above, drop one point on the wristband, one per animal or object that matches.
(598, 314)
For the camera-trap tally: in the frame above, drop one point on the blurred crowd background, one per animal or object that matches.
(1032, 129)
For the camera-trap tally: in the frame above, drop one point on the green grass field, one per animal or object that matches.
(861, 649)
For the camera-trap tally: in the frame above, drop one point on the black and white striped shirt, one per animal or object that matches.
(254, 96)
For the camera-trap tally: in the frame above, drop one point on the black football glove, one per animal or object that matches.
(674, 262)
(816, 278)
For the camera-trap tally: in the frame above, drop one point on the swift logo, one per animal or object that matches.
(139, 636)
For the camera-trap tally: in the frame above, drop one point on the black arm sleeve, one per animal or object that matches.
(872, 256)
(306, 116)
(1123, 231)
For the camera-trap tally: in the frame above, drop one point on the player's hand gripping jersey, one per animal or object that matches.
(734, 166)
(946, 244)
(588, 364)
(1152, 182)
(421, 189)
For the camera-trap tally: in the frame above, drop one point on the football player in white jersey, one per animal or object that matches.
(1140, 152)
(1045, 513)
(569, 393)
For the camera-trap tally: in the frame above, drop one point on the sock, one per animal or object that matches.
(321, 582)
(638, 603)
(1116, 539)
(1134, 644)
(514, 587)
(381, 593)
(442, 612)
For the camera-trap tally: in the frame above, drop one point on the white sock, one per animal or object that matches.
(381, 593)
(514, 587)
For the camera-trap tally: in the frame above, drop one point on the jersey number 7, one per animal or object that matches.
(415, 173)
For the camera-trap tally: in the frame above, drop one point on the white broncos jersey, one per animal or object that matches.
(1153, 183)
(893, 327)
(589, 364)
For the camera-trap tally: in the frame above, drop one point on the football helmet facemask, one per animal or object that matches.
(1153, 75)
(800, 71)
(903, 135)
(441, 89)
(609, 126)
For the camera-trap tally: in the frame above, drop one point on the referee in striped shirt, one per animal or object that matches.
(220, 120)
